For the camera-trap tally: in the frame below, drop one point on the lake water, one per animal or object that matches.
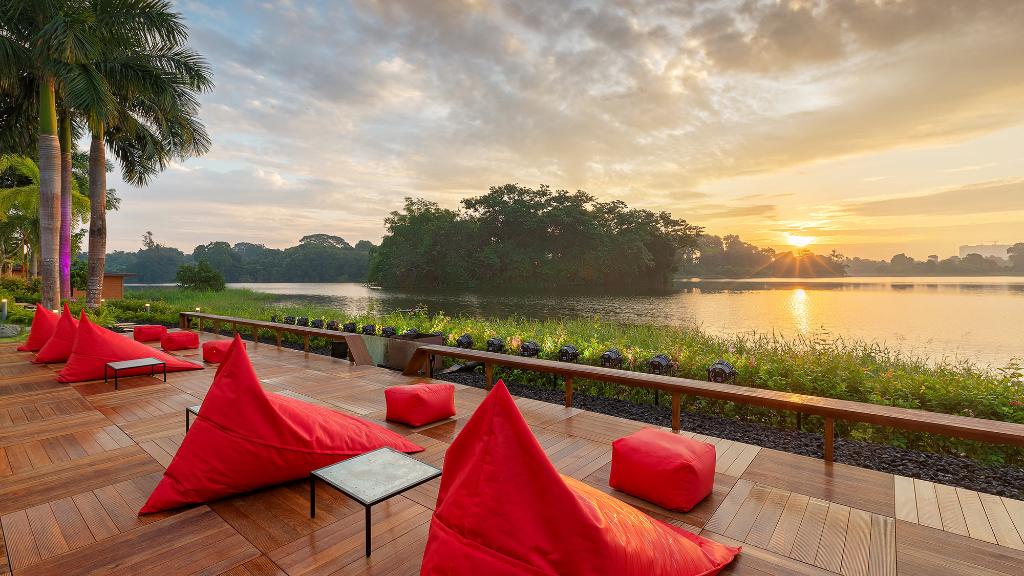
(980, 319)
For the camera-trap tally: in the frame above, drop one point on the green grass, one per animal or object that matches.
(817, 366)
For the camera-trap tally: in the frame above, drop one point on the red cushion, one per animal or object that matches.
(503, 509)
(667, 469)
(244, 439)
(148, 333)
(95, 346)
(44, 322)
(183, 340)
(420, 404)
(58, 347)
(215, 351)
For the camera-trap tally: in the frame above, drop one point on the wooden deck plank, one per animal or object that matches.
(21, 542)
(745, 516)
(761, 530)
(974, 514)
(1015, 508)
(999, 519)
(906, 499)
(808, 537)
(923, 551)
(882, 548)
(927, 504)
(833, 538)
(858, 538)
(723, 516)
(785, 533)
(949, 509)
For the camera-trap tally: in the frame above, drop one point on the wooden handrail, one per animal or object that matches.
(355, 341)
(831, 409)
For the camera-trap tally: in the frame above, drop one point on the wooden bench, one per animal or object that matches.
(830, 409)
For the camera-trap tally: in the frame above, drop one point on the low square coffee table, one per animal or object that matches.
(150, 363)
(372, 478)
(189, 412)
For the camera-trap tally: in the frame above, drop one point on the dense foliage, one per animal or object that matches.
(969, 265)
(817, 366)
(730, 257)
(515, 236)
(199, 276)
(317, 258)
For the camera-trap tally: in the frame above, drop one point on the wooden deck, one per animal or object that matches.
(77, 462)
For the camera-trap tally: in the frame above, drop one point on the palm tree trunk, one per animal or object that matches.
(97, 217)
(65, 206)
(49, 195)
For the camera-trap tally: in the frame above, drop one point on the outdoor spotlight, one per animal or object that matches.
(332, 324)
(496, 345)
(568, 353)
(289, 319)
(3, 310)
(721, 372)
(612, 358)
(198, 309)
(464, 341)
(273, 317)
(411, 333)
(388, 331)
(349, 327)
(302, 321)
(317, 323)
(369, 329)
(147, 307)
(660, 364)
(530, 349)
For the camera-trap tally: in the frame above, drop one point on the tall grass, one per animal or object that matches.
(813, 365)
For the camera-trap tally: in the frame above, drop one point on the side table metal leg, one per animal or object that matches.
(367, 531)
(312, 497)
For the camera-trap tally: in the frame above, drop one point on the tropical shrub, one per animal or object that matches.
(200, 276)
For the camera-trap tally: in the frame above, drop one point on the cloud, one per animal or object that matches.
(347, 107)
(998, 196)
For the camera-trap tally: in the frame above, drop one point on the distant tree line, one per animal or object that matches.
(970, 265)
(316, 258)
(519, 237)
(730, 257)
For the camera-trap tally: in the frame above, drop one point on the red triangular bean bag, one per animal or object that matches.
(44, 322)
(58, 347)
(95, 346)
(244, 439)
(503, 509)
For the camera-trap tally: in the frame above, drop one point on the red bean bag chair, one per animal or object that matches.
(215, 351)
(503, 509)
(244, 439)
(95, 346)
(44, 322)
(58, 347)
(182, 340)
(148, 332)
(667, 469)
(420, 404)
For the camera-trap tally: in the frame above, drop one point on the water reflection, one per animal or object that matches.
(974, 318)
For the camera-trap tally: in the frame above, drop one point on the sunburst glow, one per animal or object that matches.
(798, 240)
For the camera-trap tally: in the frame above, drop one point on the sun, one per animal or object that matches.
(799, 241)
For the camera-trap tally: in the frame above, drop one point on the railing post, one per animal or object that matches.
(255, 337)
(277, 335)
(799, 421)
(568, 390)
(183, 320)
(200, 324)
(305, 344)
(488, 375)
(830, 432)
(676, 411)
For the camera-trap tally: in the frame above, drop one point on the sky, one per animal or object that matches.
(869, 127)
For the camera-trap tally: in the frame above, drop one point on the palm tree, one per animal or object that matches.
(154, 79)
(40, 41)
(19, 198)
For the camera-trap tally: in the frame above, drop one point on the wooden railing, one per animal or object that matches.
(829, 408)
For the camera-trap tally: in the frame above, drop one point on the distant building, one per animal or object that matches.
(986, 250)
